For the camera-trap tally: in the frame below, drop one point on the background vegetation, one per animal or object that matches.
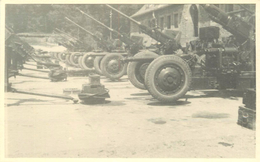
(44, 18)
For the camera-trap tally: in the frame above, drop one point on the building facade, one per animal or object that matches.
(183, 18)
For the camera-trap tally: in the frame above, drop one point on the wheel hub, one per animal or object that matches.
(169, 79)
(89, 61)
(63, 56)
(75, 59)
(113, 65)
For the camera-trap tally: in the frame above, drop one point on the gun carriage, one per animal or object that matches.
(87, 60)
(223, 64)
(17, 53)
(131, 48)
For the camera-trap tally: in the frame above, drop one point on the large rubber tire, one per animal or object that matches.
(72, 59)
(120, 67)
(153, 78)
(97, 62)
(68, 60)
(79, 61)
(61, 57)
(133, 69)
(83, 62)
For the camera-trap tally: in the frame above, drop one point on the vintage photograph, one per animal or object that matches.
(130, 80)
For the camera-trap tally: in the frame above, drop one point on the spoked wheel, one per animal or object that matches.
(74, 59)
(112, 66)
(62, 57)
(136, 70)
(87, 61)
(97, 62)
(168, 78)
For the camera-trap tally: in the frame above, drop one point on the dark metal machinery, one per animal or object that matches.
(17, 52)
(167, 44)
(115, 68)
(110, 62)
(226, 64)
(93, 92)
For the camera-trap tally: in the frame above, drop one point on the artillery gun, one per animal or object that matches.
(132, 47)
(167, 44)
(75, 47)
(114, 69)
(227, 65)
(18, 52)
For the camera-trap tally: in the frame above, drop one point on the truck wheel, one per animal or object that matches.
(97, 62)
(112, 67)
(87, 61)
(74, 59)
(168, 78)
(136, 70)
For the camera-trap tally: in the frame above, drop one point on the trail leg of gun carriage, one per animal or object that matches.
(171, 99)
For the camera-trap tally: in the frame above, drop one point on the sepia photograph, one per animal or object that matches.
(117, 80)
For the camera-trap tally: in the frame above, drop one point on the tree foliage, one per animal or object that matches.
(44, 18)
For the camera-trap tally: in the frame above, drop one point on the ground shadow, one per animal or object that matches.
(226, 94)
(118, 80)
(141, 94)
(106, 102)
(209, 115)
(176, 103)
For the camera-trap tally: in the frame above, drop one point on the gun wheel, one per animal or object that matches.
(87, 61)
(68, 60)
(136, 70)
(97, 63)
(112, 67)
(61, 57)
(168, 78)
(79, 61)
(74, 59)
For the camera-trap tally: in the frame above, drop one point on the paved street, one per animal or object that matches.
(129, 124)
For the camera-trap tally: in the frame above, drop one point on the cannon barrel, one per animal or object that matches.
(80, 27)
(235, 25)
(76, 39)
(153, 33)
(104, 44)
(122, 37)
(70, 43)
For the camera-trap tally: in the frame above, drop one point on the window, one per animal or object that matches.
(169, 22)
(162, 23)
(176, 20)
